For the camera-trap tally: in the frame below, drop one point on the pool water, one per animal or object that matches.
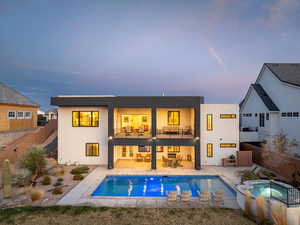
(264, 190)
(158, 186)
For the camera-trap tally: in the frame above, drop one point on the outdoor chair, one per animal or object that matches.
(218, 197)
(204, 196)
(172, 195)
(186, 195)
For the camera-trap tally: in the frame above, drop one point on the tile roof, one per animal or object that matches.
(10, 96)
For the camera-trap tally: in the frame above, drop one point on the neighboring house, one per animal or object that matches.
(144, 131)
(17, 112)
(51, 114)
(272, 104)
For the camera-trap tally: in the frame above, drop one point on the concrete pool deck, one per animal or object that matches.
(81, 194)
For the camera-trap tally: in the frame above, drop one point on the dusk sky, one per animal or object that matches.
(144, 47)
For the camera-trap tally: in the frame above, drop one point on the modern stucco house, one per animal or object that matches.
(17, 112)
(271, 104)
(145, 131)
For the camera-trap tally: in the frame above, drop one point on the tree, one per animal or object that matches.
(282, 144)
(34, 160)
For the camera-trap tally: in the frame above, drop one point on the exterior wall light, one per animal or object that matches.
(154, 138)
(197, 138)
(110, 137)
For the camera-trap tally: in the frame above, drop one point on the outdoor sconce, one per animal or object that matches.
(154, 138)
(110, 137)
(197, 138)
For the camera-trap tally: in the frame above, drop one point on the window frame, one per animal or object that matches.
(86, 149)
(21, 117)
(228, 145)
(295, 114)
(211, 150)
(28, 117)
(15, 114)
(209, 128)
(79, 125)
(261, 120)
(170, 112)
(229, 116)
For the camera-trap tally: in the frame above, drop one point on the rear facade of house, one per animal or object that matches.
(145, 131)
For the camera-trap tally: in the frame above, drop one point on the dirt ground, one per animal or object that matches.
(121, 216)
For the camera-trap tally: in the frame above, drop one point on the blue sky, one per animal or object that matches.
(144, 47)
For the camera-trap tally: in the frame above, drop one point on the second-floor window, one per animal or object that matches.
(209, 122)
(210, 150)
(85, 119)
(228, 116)
(173, 117)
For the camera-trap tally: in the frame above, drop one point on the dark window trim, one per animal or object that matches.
(283, 114)
(211, 122)
(169, 112)
(295, 114)
(91, 118)
(267, 116)
(261, 120)
(212, 150)
(86, 149)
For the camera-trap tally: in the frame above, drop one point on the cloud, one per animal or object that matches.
(213, 53)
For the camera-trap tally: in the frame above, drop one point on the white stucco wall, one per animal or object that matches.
(72, 140)
(224, 131)
(286, 97)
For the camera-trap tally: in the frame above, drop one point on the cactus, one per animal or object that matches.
(6, 177)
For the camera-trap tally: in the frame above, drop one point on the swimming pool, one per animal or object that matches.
(158, 186)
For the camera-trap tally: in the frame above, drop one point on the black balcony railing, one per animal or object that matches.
(287, 195)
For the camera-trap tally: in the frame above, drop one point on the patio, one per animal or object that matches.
(80, 195)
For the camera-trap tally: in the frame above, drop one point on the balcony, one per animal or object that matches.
(175, 123)
(132, 122)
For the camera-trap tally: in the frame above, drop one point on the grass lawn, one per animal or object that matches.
(73, 215)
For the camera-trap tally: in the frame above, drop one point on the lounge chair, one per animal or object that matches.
(186, 195)
(204, 196)
(218, 197)
(172, 195)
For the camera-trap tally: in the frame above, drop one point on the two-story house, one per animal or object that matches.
(145, 131)
(271, 104)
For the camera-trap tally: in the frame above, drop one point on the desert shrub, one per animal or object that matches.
(60, 179)
(22, 178)
(77, 177)
(80, 170)
(279, 214)
(57, 191)
(34, 160)
(46, 180)
(247, 175)
(35, 194)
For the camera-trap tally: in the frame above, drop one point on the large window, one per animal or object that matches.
(85, 119)
(92, 149)
(210, 150)
(20, 114)
(209, 122)
(228, 116)
(173, 117)
(28, 115)
(227, 145)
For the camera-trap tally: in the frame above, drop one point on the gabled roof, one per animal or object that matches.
(10, 96)
(286, 72)
(265, 97)
(271, 106)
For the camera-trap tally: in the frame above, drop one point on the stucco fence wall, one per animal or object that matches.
(281, 163)
(15, 149)
(7, 137)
